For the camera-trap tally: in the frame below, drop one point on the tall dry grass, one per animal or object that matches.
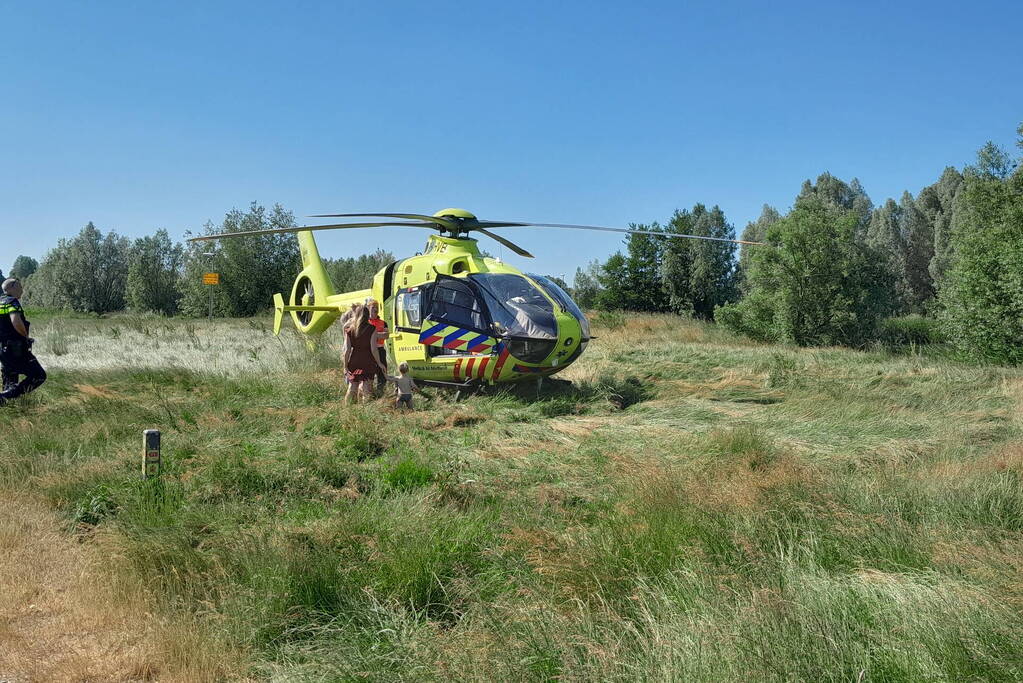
(127, 342)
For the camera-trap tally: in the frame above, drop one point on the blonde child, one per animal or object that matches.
(404, 386)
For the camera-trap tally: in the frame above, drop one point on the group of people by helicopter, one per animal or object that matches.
(365, 356)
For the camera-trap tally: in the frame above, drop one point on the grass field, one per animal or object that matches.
(690, 506)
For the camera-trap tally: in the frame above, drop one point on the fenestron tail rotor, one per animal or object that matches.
(305, 293)
(458, 223)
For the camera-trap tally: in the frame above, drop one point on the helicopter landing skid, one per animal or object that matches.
(469, 387)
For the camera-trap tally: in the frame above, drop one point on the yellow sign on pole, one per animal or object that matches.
(211, 278)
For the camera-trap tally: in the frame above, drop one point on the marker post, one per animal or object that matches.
(151, 454)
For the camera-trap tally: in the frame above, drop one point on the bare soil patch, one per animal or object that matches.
(54, 626)
(63, 617)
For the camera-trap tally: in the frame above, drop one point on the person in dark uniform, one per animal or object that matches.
(16, 359)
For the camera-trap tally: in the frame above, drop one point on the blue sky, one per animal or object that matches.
(139, 116)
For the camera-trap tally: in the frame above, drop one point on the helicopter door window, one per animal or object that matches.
(455, 303)
(410, 307)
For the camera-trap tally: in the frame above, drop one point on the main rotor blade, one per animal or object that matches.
(511, 245)
(465, 224)
(503, 224)
(341, 226)
(411, 216)
(626, 231)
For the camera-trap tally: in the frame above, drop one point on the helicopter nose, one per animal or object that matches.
(569, 335)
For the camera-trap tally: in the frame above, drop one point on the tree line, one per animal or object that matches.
(94, 272)
(834, 270)
(838, 270)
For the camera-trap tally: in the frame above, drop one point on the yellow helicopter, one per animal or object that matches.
(455, 316)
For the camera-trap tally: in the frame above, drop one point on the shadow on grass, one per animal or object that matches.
(556, 397)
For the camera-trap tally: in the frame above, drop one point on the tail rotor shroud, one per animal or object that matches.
(305, 295)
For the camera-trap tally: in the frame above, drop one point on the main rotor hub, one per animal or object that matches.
(454, 213)
(456, 222)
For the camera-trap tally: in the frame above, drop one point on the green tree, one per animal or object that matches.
(993, 162)
(841, 195)
(614, 292)
(252, 269)
(23, 267)
(699, 275)
(642, 270)
(586, 288)
(352, 273)
(918, 252)
(982, 297)
(903, 238)
(755, 231)
(939, 204)
(631, 281)
(884, 236)
(40, 289)
(154, 274)
(85, 273)
(816, 283)
(677, 262)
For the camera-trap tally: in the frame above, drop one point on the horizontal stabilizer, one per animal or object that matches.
(280, 308)
(325, 309)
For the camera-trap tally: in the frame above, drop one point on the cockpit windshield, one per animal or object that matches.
(564, 300)
(517, 308)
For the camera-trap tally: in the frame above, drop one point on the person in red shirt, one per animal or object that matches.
(376, 321)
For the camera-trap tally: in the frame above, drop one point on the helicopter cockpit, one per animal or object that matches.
(503, 306)
(517, 308)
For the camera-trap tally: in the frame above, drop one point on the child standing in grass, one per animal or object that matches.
(404, 386)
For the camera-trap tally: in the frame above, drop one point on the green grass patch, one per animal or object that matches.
(680, 504)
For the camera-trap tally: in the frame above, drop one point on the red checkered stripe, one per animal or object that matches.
(475, 367)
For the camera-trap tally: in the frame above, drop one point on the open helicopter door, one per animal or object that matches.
(409, 304)
(455, 318)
